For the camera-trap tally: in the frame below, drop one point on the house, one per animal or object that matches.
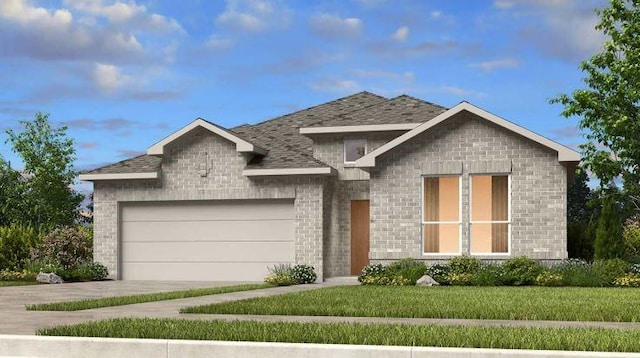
(357, 180)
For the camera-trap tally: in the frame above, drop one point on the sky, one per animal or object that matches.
(123, 74)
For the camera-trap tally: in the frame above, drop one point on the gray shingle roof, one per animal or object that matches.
(401, 109)
(140, 164)
(281, 135)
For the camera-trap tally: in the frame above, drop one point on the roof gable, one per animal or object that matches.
(565, 154)
(242, 145)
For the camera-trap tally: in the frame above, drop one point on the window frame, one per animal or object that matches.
(508, 221)
(344, 149)
(423, 222)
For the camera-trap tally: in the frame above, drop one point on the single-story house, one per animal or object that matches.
(357, 180)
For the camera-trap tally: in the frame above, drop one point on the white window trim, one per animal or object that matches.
(459, 222)
(344, 149)
(508, 222)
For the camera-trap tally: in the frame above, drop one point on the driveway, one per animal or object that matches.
(15, 319)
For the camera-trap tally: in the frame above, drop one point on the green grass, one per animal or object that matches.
(510, 303)
(17, 283)
(579, 339)
(142, 298)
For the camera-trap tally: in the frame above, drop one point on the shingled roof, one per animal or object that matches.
(281, 137)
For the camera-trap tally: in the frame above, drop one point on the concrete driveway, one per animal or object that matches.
(15, 319)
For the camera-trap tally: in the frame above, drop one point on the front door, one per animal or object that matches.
(359, 235)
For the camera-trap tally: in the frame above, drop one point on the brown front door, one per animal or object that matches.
(359, 235)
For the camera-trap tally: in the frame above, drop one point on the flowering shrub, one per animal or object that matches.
(67, 246)
(99, 271)
(464, 264)
(302, 274)
(439, 272)
(279, 279)
(628, 280)
(461, 279)
(635, 268)
(372, 274)
(24, 275)
(549, 278)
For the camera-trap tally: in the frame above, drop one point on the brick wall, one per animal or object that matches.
(538, 183)
(183, 162)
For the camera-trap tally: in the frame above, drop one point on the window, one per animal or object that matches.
(354, 149)
(490, 214)
(441, 215)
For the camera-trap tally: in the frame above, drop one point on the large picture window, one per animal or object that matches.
(441, 215)
(490, 214)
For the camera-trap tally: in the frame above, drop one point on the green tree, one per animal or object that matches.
(608, 109)
(11, 187)
(48, 155)
(609, 242)
(579, 195)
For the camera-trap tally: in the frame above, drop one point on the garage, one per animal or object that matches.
(223, 240)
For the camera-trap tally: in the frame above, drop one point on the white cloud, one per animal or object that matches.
(108, 77)
(436, 14)
(253, 16)
(333, 26)
(381, 74)
(494, 64)
(401, 34)
(457, 91)
(216, 42)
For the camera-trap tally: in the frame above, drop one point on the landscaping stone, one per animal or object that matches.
(426, 280)
(49, 278)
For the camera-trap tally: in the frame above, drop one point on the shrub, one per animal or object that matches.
(400, 280)
(577, 272)
(635, 268)
(371, 274)
(279, 279)
(460, 279)
(580, 239)
(374, 280)
(520, 271)
(408, 268)
(464, 264)
(67, 246)
(609, 243)
(608, 270)
(549, 278)
(82, 272)
(99, 271)
(488, 275)
(16, 243)
(439, 272)
(24, 275)
(302, 274)
(631, 237)
(628, 280)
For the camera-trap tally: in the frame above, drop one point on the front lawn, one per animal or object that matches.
(141, 298)
(509, 303)
(578, 339)
(17, 283)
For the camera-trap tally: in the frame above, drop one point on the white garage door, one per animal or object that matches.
(205, 241)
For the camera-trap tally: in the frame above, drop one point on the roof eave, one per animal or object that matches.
(359, 128)
(119, 176)
(325, 171)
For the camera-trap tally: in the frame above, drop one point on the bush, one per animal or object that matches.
(302, 274)
(464, 264)
(634, 268)
(80, 273)
(16, 243)
(439, 272)
(24, 275)
(68, 247)
(608, 270)
(279, 279)
(99, 271)
(628, 280)
(520, 271)
(371, 274)
(549, 278)
(407, 269)
(631, 237)
(488, 275)
(460, 279)
(609, 243)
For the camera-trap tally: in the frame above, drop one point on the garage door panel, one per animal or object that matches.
(223, 210)
(223, 230)
(208, 252)
(205, 240)
(197, 271)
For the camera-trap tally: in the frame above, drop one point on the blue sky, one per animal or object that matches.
(124, 74)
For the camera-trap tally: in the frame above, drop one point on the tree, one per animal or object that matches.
(48, 197)
(609, 109)
(11, 186)
(609, 242)
(581, 210)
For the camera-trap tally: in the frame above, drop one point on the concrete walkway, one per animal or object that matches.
(14, 319)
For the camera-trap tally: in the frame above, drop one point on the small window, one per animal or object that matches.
(490, 219)
(441, 222)
(354, 149)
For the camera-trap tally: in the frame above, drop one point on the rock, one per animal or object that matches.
(49, 278)
(426, 280)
